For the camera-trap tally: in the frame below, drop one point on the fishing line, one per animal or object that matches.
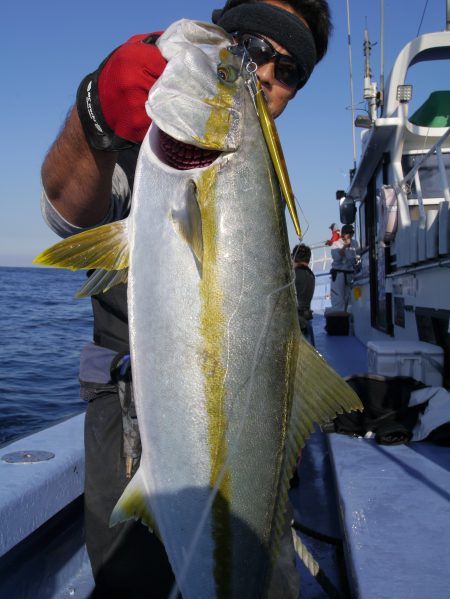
(297, 203)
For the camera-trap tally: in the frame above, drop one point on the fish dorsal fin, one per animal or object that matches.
(188, 224)
(319, 394)
(133, 503)
(104, 247)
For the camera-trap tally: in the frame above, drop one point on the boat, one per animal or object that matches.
(400, 191)
(378, 514)
(372, 521)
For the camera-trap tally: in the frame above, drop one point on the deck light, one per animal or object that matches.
(363, 121)
(404, 93)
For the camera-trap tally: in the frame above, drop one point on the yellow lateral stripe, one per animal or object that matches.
(276, 153)
(213, 333)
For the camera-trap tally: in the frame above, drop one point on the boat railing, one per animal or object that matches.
(427, 236)
(320, 265)
(320, 258)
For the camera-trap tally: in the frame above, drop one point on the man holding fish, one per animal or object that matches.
(88, 175)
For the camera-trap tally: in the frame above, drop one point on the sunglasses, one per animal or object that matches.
(261, 51)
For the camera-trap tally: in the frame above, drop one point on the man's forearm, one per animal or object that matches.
(76, 178)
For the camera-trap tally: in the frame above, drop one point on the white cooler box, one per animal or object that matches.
(417, 359)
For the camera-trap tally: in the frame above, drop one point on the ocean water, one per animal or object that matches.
(42, 330)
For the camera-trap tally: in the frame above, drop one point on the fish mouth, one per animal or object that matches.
(182, 156)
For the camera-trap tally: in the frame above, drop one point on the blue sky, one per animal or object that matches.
(48, 46)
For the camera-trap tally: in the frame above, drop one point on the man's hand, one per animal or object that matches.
(111, 101)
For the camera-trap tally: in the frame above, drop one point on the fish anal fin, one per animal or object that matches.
(188, 224)
(319, 394)
(104, 247)
(133, 504)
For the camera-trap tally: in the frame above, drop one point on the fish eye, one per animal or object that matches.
(227, 73)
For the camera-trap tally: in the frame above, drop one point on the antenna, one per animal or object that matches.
(381, 93)
(370, 89)
(352, 101)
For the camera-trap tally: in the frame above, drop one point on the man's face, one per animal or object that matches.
(277, 94)
(347, 238)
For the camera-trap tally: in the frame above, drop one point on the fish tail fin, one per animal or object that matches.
(104, 247)
(133, 503)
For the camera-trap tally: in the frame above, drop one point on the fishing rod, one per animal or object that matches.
(352, 95)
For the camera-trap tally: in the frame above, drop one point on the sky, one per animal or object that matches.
(47, 47)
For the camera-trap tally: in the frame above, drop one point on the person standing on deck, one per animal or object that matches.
(345, 261)
(305, 283)
(87, 178)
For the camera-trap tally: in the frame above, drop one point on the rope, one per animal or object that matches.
(316, 535)
(421, 20)
(313, 567)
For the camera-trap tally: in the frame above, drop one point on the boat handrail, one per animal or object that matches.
(434, 263)
(435, 148)
(403, 189)
(320, 262)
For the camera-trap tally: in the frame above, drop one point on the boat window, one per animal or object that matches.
(426, 78)
(434, 112)
(362, 225)
(379, 259)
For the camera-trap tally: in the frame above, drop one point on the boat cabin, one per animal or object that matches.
(401, 191)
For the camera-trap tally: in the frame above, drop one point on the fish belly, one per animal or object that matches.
(168, 382)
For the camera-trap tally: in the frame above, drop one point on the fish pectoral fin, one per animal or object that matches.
(104, 247)
(188, 224)
(133, 503)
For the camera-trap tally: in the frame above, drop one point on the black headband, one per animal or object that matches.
(280, 25)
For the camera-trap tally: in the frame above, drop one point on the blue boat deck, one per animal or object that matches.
(376, 518)
(393, 502)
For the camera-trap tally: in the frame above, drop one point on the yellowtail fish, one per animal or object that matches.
(226, 388)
